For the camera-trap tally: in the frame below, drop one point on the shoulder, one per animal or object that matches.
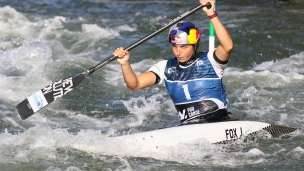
(215, 60)
(159, 69)
(212, 57)
(159, 66)
(218, 65)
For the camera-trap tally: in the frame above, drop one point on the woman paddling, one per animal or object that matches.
(193, 79)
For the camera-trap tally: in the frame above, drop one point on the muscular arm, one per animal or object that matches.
(133, 81)
(224, 50)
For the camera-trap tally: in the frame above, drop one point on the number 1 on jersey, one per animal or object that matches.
(186, 91)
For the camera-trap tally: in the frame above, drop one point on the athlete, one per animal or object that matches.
(193, 79)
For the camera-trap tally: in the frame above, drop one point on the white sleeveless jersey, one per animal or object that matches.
(202, 80)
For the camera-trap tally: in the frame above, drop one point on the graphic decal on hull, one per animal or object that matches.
(233, 133)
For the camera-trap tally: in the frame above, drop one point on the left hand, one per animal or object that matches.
(122, 55)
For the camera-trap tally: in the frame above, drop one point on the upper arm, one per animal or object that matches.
(217, 64)
(145, 79)
(222, 54)
(149, 78)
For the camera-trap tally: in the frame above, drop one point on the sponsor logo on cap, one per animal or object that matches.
(176, 39)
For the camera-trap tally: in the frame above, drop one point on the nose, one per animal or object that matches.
(178, 51)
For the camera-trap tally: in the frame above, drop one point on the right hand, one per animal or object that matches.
(208, 11)
(122, 55)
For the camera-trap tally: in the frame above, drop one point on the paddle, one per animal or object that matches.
(52, 92)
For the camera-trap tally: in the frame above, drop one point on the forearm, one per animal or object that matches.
(224, 50)
(223, 35)
(129, 76)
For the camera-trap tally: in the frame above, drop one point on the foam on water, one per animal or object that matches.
(23, 66)
(45, 143)
(32, 48)
(152, 109)
(42, 143)
(269, 91)
(293, 64)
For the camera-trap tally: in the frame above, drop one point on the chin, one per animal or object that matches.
(181, 60)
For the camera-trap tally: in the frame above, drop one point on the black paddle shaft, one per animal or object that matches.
(177, 19)
(50, 93)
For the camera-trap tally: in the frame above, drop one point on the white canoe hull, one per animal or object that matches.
(218, 132)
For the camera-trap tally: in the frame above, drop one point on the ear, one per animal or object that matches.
(195, 46)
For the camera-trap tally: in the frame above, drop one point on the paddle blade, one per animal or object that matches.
(47, 95)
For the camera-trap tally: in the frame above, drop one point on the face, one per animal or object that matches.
(183, 52)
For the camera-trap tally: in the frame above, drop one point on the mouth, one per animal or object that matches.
(180, 59)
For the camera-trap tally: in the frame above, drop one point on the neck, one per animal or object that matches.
(189, 62)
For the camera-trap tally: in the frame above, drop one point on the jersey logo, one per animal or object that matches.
(156, 66)
(170, 70)
(199, 63)
(183, 115)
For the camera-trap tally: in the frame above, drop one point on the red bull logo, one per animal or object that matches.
(176, 39)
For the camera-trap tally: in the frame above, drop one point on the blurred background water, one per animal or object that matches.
(44, 41)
